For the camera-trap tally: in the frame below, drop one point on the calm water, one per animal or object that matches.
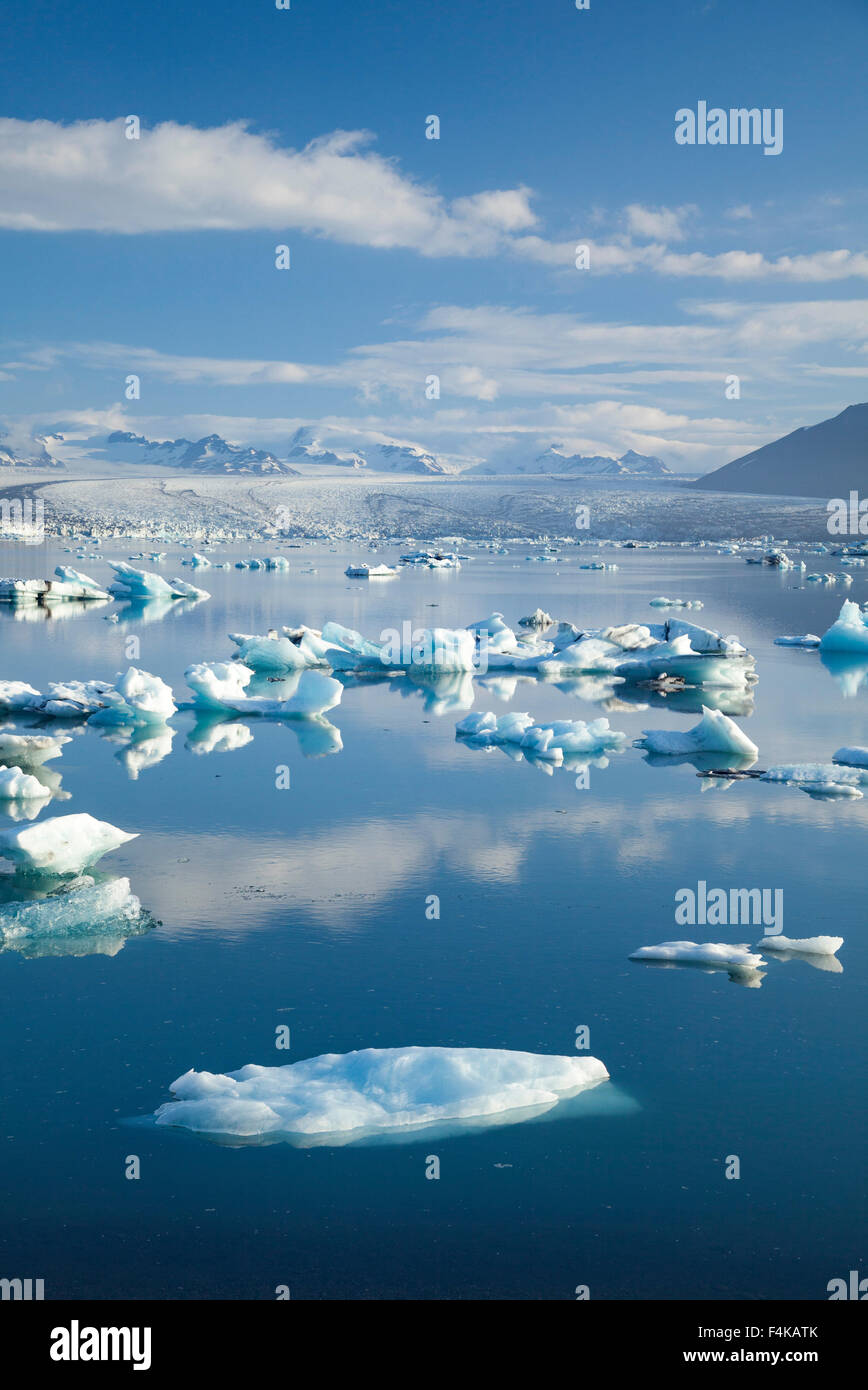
(307, 907)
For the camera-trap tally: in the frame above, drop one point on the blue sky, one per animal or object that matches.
(452, 256)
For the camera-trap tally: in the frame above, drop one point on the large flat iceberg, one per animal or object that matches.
(701, 953)
(375, 1090)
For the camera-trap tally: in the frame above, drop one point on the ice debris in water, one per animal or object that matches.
(222, 685)
(807, 945)
(135, 698)
(703, 953)
(715, 733)
(674, 603)
(143, 584)
(849, 633)
(556, 741)
(375, 1090)
(61, 845)
(807, 640)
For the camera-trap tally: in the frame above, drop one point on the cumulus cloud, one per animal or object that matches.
(89, 176)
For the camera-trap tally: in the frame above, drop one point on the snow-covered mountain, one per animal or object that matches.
(35, 457)
(211, 454)
(80, 451)
(388, 456)
(824, 460)
(555, 459)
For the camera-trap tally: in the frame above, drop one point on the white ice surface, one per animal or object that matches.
(808, 945)
(715, 733)
(61, 845)
(375, 1089)
(703, 953)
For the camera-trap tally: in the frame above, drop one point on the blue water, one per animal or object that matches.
(306, 907)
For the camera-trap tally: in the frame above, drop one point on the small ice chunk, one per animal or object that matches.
(136, 698)
(808, 640)
(674, 603)
(704, 953)
(807, 945)
(16, 785)
(375, 1090)
(61, 845)
(715, 733)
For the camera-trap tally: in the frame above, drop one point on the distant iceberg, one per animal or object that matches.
(348, 1095)
(807, 640)
(715, 733)
(704, 953)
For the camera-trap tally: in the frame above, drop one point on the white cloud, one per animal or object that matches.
(88, 176)
(658, 224)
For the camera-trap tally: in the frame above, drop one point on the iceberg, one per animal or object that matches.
(715, 733)
(807, 640)
(83, 918)
(16, 785)
(223, 686)
(563, 738)
(68, 584)
(849, 633)
(805, 945)
(135, 698)
(850, 757)
(674, 603)
(375, 1090)
(270, 653)
(370, 571)
(139, 584)
(818, 775)
(704, 953)
(538, 618)
(61, 845)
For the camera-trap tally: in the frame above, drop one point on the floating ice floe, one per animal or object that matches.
(715, 733)
(349, 1095)
(432, 559)
(704, 953)
(17, 785)
(674, 603)
(808, 640)
(135, 697)
(805, 945)
(370, 571)
(223, 685)
(849, 633)
(143, 584)
(30, 750)
(821, 780)
(68, 584)
(83, 918)
(557, 742)
(62, 845)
